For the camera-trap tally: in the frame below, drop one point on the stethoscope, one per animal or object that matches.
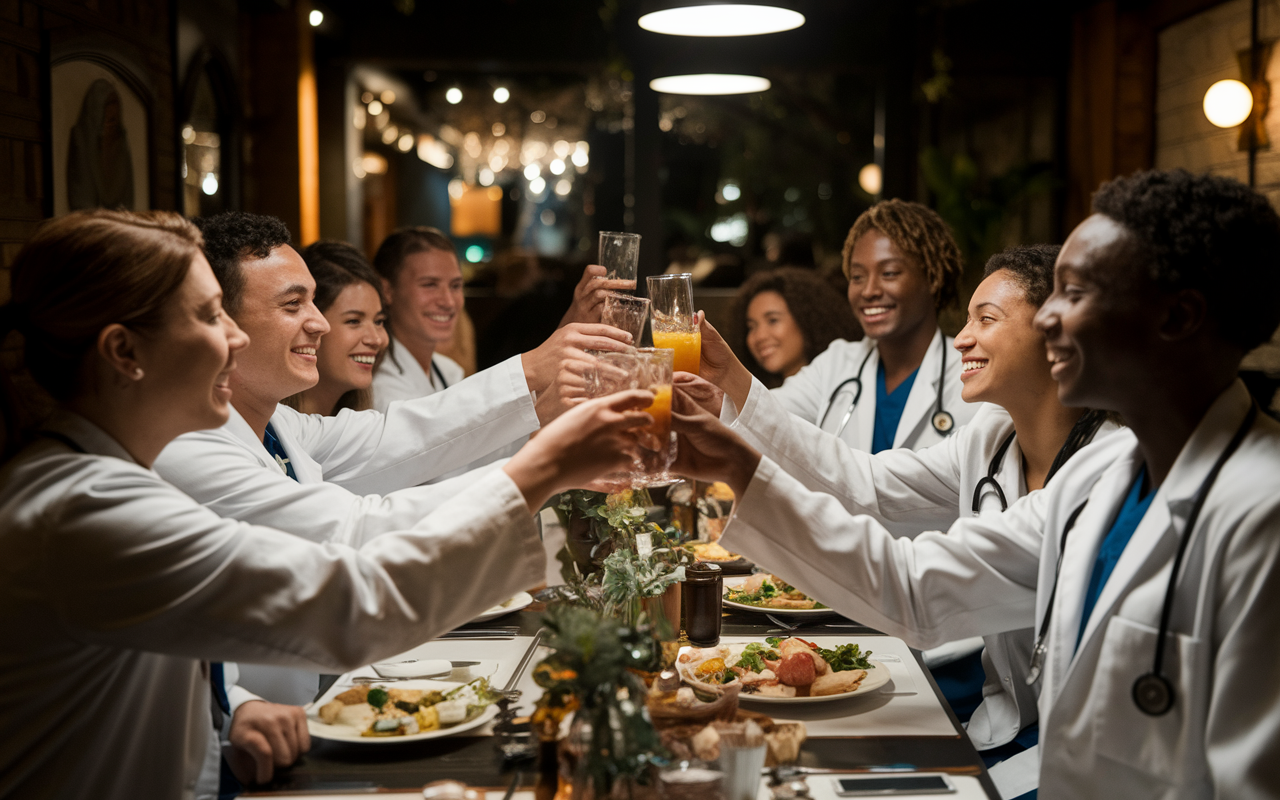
(942, 420)
(1152, 692)
(990, 479)
(435, 370)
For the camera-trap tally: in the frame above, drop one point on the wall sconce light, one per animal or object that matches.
(1228, 103)
(1245, 102)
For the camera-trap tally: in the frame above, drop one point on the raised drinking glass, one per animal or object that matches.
(674, 322)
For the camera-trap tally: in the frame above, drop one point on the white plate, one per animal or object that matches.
(736, 582)
(521, 600)
(345, 733)
(877, 676)
(781, 612)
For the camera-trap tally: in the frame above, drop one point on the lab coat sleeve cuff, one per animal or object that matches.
(238, 696)
(514, 369)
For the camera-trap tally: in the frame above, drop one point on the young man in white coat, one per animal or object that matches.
(899, 386)
(1150, 566)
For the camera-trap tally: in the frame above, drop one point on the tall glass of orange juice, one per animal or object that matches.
(654, 371)
(674, 321)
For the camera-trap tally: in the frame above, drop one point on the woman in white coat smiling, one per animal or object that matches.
(899, 386)
(1014, 445)
(117, 590)
(1150, 566)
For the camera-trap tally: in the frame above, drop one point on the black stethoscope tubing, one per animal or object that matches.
(1152, 692)
(990, 479)
(435, 370)
(942, 420)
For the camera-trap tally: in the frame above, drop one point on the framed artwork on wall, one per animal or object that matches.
(100, 132)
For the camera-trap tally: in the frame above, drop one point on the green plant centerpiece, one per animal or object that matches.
(631, 561)
(595, 669)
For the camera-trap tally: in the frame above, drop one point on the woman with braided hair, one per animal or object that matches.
(900, 385)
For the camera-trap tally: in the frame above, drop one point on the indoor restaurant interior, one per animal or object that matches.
(639, 399)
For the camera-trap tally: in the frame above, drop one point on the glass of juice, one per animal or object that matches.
(654, 370)
(626, 313)
(615, 372)
(620, 256)
(674, 321)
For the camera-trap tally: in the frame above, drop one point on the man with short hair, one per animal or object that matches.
(1151, 565)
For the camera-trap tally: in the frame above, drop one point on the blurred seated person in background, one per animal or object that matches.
(422, 281)
(782, 319)
(121, 324)
(900, 385)
(349, 294)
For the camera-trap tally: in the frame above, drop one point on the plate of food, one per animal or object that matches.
(768, 594)
(782, 670)
(509, 606)
(713, 552)
(402, 711)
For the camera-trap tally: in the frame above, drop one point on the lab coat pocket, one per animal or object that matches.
(1161, 747)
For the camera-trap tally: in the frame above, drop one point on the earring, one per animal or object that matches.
(137, 374)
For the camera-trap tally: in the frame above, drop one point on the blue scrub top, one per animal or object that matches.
(889, 406)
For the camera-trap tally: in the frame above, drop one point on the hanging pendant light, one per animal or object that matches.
(693, 18)
(710, 84)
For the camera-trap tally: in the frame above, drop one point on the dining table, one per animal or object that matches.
(904, 728)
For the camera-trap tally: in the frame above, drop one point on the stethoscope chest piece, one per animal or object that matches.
(943, 422)
(1153, 694)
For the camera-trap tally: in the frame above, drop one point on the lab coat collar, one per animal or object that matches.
(1156, 538)
(924, 392)
(89, 436)
(240, 430)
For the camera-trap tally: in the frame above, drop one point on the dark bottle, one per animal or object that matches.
(703, 590)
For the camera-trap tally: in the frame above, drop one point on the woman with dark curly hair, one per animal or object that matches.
(783, 318)
(899, 386)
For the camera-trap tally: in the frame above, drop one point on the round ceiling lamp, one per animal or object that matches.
(710, 84)
(1228, 103)
(721, 19)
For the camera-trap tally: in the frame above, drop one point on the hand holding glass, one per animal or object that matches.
(675, 323)
(626, 313)
(620, 255)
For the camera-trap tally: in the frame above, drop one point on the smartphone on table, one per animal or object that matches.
(890, 785)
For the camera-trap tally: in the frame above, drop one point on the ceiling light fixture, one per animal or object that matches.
(710, 84)
(722, 19)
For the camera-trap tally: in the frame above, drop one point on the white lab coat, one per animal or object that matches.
(910, 492)
(405, 379)
(994, 574)
(808, 393)
(354, 472)
(115, 587)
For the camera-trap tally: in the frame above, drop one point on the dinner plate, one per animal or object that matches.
(777, 612)
(877, 676)
(345, 733)
(519, 601)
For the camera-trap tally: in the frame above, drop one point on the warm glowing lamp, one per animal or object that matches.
(871, 179)
(710, 84)
(722, 19)
(1228, 103)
